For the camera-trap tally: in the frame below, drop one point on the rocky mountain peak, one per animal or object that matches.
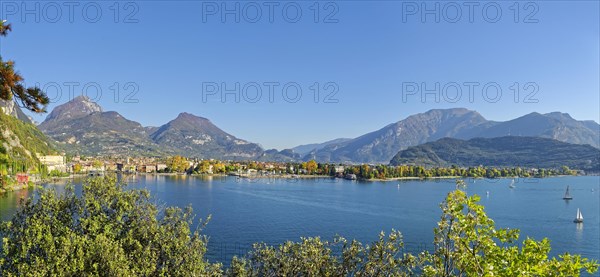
(77, 107)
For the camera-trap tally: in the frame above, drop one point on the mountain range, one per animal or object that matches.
(81, 126)
(505, 151)
(381, 145)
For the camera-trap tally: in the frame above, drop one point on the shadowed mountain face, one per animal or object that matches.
(197, 136)
(506, 151)
(380, 146)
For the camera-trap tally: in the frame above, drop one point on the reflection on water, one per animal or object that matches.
(10, 201)
(579, 231)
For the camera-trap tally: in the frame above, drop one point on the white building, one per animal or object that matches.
(54, 162)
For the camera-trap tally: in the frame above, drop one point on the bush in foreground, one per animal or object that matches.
(109, 231)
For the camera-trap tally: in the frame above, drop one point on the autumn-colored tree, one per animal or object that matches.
(12, 87)
(311, 166)
(178, 164)
(76, 168)
(203, 167)
(219, 167)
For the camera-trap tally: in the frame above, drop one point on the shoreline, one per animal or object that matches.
(59, 180)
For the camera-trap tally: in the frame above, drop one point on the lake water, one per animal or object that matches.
(275, 210)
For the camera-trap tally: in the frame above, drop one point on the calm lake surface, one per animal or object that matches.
(275, 210)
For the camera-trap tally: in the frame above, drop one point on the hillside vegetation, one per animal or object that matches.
(19, 143)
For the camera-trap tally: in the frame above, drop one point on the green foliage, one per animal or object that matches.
(108, 231)
(57, 173)
(24, 141)
(468, 244)
(313, 257)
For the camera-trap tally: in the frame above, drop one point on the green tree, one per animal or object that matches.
(468, 244)
(97, 164)
(314, 257)
(11, 84)
(107, 231)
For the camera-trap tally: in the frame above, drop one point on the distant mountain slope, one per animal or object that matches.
(197, 136)
(307, 148)
(272, 155)
(559, 126)
(80, 126)
(505, 151)
(380, 146)
(383, 144)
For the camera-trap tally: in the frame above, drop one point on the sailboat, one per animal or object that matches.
(512, 184)
(579, 218)
(567, 195)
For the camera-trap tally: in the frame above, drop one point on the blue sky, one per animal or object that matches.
(370, 53)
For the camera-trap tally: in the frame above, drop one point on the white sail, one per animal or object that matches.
(579, 218)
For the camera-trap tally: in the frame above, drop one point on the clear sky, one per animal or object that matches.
(366, 57)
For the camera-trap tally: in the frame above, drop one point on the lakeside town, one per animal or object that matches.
(63, 166)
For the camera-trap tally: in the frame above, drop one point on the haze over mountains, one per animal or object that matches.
(82, 127)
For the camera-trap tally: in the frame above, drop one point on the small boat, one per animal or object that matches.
(512, 184)
(579, 218)
(567, 195)
(487, 193)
